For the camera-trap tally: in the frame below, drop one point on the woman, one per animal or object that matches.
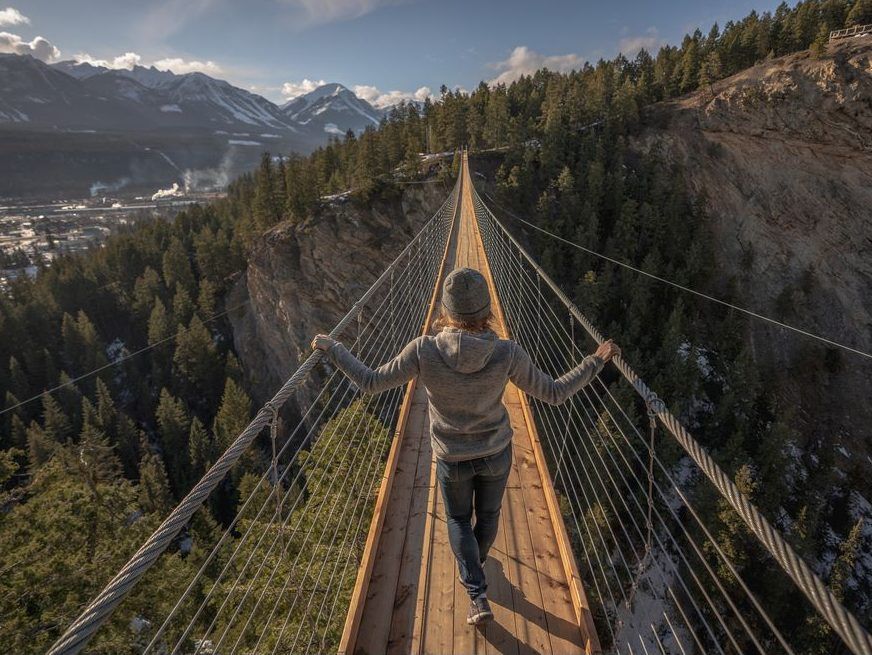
(465, 368)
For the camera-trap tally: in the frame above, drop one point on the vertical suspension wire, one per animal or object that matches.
(679, 608)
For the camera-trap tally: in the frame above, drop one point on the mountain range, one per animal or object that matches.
(149, 126)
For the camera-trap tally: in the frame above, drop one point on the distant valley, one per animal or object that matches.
(73, 129)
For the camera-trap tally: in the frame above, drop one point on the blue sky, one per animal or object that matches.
(382, 48)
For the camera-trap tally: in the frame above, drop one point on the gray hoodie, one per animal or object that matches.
(465, 375)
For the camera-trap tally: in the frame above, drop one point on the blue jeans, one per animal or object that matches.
(478, 483)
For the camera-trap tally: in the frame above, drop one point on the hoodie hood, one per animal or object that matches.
(465, 352)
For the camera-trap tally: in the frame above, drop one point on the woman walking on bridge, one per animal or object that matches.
(465, 369)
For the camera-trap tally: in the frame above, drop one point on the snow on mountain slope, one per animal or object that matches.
(332, 109)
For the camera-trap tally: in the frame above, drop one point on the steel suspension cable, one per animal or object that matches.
(98, 611)
(845, 624)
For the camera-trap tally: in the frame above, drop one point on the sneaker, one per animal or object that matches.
(479, 611)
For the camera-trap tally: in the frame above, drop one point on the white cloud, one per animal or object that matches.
(40, 48)
(379, 99)
(315, 12)
(523, 61)
(291, 90)
(128, 60)
(181, 66)
(11, 16)
(631, 45)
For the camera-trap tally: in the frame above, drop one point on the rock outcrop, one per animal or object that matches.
(782, 154)
(302, 278)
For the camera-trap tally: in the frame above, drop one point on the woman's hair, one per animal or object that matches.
(447, 320)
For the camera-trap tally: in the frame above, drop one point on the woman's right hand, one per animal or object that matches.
(607, 350)
(322, 342)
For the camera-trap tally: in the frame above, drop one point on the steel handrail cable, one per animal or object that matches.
(81, 630)
(228, 531)
(381, 338)
(546, 412)
(843, 622)
(387, 338)
(544, 409)
(749, 594)
(404, 331)
(560, 328)
(436, 261)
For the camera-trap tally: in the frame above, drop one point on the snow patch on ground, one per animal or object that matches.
(647, 610)
(171, 108)
(243, 142)
(332, 128)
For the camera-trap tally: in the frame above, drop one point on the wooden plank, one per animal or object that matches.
(412, 561)
(532, 628)
(421, 607)
(579, 599)
(570, 568)
(438, 635)
(566, 635)
(359, 593)
(500, 633)
(388, 558)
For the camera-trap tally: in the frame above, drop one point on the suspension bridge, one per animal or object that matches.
(341, 544)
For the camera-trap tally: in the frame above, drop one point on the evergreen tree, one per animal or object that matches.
(148, 286)
(266, 207)
(200, 449)
(154, 486)
(40, 447)
(183, 306)
(860, 14)
(177, 269)
(55, 423)
(173, 426)
(233, 417)
(710, 72)
(197, 360)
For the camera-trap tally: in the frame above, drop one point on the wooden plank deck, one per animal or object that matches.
(412, 600)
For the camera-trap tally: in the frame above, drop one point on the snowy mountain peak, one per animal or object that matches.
(333, 109)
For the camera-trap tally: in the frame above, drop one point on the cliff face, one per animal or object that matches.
(782, 155)
(302, 278)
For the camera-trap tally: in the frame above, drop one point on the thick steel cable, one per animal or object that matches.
(311, 432)
(558, 326)
(83, 628)
(422, 288)
(361, 454)
(321, 608)
(388, 339)
(764, 615)
(843, 622)
(546, 411)
(382, 337)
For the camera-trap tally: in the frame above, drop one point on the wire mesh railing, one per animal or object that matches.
(657, 572)
(279, 577)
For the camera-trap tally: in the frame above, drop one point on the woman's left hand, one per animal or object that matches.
(322, 342)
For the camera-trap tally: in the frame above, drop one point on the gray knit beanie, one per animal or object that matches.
(465, 295)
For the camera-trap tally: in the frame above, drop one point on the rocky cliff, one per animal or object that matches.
(302, 278)
(782, 155)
